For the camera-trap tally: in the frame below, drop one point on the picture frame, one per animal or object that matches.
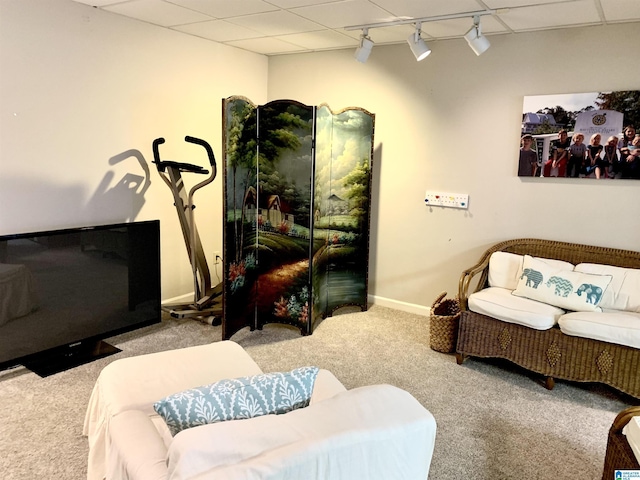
(593, 135)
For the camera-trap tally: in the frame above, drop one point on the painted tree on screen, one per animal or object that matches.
(248, 152)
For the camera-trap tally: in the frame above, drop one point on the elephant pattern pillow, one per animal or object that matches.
(568, 289)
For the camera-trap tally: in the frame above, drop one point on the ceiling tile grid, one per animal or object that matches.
(275, 27)
(226, 8)
(281, 22)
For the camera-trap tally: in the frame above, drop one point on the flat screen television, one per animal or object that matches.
(62, 292)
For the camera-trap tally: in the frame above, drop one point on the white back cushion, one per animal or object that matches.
(623, 292)
(505, 270)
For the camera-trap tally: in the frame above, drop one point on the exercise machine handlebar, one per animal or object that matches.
(181, 166)
(207, 147)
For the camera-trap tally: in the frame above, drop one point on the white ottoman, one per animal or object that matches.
(135, 383)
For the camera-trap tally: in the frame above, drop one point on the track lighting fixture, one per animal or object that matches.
(478, 42)
(366, 44)
(417, 44)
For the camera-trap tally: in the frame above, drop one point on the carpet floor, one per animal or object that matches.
(495, 421)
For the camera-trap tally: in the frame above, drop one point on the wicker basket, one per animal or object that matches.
(443, 328)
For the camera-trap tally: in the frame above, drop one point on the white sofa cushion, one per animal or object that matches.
(624, 291)
(622, 328)
(499, 303)
(632, 431)
(505, 269)
(547, 282)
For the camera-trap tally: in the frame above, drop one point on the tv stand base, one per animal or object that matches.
(63, 358)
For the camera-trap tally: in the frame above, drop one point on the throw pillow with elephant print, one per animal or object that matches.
(568, 289)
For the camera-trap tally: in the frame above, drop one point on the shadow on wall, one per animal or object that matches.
(125, 198)
(32, 203)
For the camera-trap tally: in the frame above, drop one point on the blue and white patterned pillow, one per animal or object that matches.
(238, 398)
(548, 283)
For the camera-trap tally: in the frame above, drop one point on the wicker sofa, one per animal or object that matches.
(548, 352)
(620, 455)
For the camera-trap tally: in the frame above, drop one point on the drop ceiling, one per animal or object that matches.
(276, 27)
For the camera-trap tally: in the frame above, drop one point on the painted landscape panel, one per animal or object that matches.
(297, 191)
(341, 208)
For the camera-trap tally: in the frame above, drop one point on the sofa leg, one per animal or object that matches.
(460, 358)
(549, 383)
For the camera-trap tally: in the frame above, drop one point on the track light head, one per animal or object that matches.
(364, 49)
(418, 46)
(478, 42)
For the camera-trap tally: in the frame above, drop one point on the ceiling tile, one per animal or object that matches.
(157, 12)
(311, 25)
(433, 8)
(98, 3)
(345, 13)
(276, 23)
(321, 40)
(226, 8)
(299, 3)
(266, 46)
(621, 10)
(218, 30)
(580, 12)
(494, 4)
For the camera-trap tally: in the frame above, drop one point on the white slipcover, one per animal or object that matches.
(378, 432)
(135, 383)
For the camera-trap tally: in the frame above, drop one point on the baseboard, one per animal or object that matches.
(181, 299)
(398, 305)
(373, 299)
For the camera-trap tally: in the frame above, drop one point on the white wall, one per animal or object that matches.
(79, 89)
(452, 123)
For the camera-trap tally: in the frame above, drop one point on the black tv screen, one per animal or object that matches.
(63, 291)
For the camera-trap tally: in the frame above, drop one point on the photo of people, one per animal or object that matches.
(587, 135)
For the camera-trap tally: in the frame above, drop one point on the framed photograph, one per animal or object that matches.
(581, 135)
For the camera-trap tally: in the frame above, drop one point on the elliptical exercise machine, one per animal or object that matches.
(207, 301)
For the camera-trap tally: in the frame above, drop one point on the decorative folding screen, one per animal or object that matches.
(296, 200)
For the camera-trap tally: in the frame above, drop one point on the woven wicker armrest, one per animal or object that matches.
(481, 267)
(623, 418)
(619, 454)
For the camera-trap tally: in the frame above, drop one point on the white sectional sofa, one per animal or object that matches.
(564, 310)
(374, 432)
